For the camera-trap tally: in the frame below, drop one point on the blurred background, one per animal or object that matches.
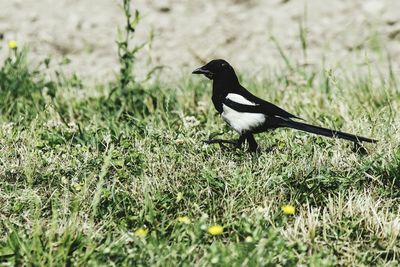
(81, 34)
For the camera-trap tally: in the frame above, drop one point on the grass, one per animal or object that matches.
(83, 169)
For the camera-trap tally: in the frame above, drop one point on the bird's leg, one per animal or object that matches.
(212, 135)
(240, 141)
(236, 143)
(253, 146)
(211, 139)
(220, 141)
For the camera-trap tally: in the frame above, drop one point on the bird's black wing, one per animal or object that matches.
(243, 107)
(265, 107)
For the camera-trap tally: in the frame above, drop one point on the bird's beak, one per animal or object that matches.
(200, 70)
(204, 71)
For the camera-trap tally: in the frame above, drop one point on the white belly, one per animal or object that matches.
(242, 122)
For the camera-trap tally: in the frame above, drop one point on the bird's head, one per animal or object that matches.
(215, 69)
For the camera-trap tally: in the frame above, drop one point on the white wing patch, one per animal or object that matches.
(241, 122)
(239, 99)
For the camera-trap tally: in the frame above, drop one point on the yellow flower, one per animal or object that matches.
(12, 44)
(215, 230)
(141, 232)
(288, 209)
(183, 219)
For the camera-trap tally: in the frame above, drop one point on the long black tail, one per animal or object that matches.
(325, 132)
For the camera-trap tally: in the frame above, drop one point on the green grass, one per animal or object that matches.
(81, 171)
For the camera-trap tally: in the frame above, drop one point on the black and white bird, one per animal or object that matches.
(247, 114)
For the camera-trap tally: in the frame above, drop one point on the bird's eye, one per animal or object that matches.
(223, 64)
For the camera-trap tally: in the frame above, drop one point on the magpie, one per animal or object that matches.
(248, 115)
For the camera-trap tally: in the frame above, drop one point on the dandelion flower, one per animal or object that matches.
(141, 232)
(183, 219)
(215, 230)
(288, 209)
(12, 44)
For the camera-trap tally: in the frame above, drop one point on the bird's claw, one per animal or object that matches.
(221, 142)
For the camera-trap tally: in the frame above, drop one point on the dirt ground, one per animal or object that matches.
(186, 32)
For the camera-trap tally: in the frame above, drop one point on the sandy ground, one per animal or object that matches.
(339, 32)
